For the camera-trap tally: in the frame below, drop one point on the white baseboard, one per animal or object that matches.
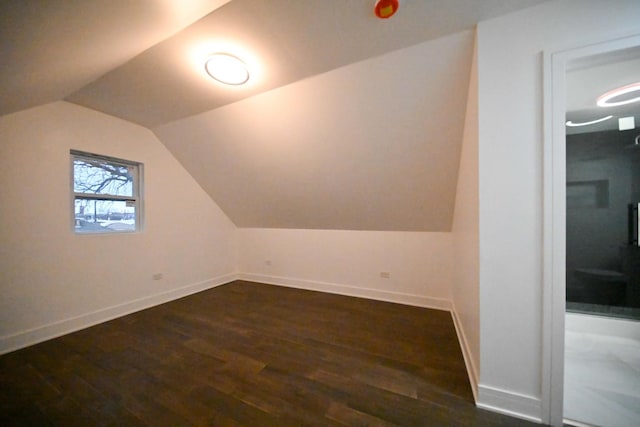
(509, 403)
(32, 336)
(472, 371)
(352, 291)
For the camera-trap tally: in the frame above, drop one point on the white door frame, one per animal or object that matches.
(554, 219)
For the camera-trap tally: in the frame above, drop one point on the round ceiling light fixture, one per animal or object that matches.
(606, 100)
(592, 122)
(227, 69)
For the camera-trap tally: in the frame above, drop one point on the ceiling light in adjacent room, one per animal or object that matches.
(607, 99)
(227, 69)
(592, 122)
(626, 123)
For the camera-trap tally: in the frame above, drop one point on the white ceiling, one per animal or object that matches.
(348, 121)
(283, 41)
(142, 60)
(52, 48)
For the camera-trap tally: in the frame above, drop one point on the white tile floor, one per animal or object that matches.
(602, 379)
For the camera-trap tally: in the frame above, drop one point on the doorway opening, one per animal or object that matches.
(602, 351)
(592, 257)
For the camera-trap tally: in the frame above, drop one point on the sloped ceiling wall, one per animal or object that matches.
(282, 41)
(370, 146)
(51, 49)
(348, 121)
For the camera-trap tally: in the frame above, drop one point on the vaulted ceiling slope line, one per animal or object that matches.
(349, 122)
(52, 48)
(370, 146)
(285, 41)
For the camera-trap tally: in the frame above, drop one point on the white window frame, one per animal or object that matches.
(136, 197)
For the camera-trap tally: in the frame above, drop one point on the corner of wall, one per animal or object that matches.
(467, 354)
(465, 229)
(58, 328)
(54, 281)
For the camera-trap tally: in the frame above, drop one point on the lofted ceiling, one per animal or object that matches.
(282, 41)
(370, 146)
(143, 60)
(52, 48)
(347, 122)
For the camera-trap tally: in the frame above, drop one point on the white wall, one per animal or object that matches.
(350, 262)
(510, 175)
(52, 280)
(464, 285)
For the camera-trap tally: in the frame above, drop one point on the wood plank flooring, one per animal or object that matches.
(248, 354)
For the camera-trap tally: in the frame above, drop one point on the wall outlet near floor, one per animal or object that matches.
(385, 274)
(157, 276)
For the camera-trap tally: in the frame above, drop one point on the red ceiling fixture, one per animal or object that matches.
(386, 8)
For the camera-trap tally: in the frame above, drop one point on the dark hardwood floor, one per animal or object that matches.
(247, 354)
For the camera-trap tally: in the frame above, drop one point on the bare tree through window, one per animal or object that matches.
(106, 194)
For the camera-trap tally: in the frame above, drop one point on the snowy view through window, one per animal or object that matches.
(105, 194)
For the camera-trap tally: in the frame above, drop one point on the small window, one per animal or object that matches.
(106, 194)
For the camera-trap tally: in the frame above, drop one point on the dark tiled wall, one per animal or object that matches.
(603, 177)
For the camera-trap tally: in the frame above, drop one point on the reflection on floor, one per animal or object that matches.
(602, 379)
(604, 310)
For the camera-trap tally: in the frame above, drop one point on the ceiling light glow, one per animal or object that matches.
(605, 100)
(592, 122)
(227, 69)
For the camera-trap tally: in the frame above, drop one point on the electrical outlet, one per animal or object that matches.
(385, 274)
(157, 276)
